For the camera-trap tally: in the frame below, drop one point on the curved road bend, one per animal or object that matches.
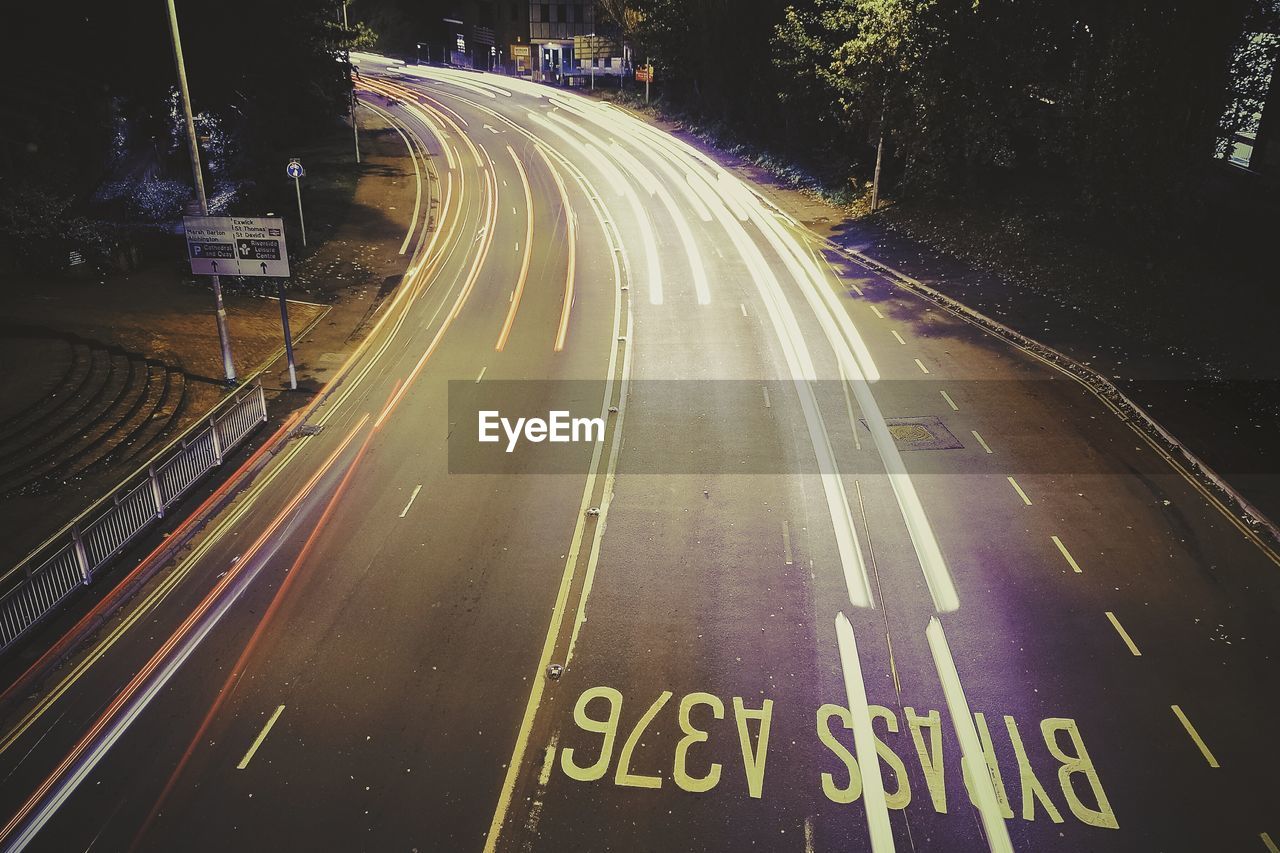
(855, 527)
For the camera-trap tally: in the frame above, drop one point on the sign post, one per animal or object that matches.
(645, 73)
(243, 245)
(288, 336)
(295, 171)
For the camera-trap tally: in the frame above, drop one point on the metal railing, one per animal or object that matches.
(35, 587)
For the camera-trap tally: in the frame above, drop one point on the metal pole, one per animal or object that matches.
(288, 336)
(193, 148)
(297, 185)
(875, 181)
(355, 133)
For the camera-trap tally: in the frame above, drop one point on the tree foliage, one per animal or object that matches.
(1119, 100)
(92, 94)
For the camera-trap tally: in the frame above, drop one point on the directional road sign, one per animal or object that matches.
(237, 245)
(294, 169)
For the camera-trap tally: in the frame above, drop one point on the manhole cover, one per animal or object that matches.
(926, 433)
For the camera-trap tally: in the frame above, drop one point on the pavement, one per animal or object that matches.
(152, 314)
(839, 570)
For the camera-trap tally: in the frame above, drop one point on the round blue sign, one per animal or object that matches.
(294, 169)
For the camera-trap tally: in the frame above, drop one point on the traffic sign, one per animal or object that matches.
(237, 245)
(294, 169)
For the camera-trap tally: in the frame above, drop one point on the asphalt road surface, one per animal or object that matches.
(830, 569)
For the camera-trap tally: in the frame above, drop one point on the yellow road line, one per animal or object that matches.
(950, 402)
(1124, 635)
(1271, 845)
(1195, 736)
(1026, 500)
(562, 595)
(980, 441)
(1075, 567)
(262, 735)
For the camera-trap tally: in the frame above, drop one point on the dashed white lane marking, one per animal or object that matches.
(1195, 736)
(864, 742)
(808, 835)
(743, 307)
(786, 542)
(898, 337)
(413, 497)
(1026, 500)
(876, 311)
(1271, 845)
(950, 402)
(481, 376)
(985, 446)
(1075, 567)
(765, 389)
(920, 364)
(262, 735)
(1124, 635)
(971, 755)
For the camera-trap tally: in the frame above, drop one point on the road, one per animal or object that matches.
(844, 571)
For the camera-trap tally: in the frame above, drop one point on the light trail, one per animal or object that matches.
(142, 688)
(525, 260)
(572, 239)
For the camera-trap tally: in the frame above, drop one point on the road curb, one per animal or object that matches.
(1254, 523)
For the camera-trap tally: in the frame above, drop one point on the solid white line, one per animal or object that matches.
(864, 741)
(898, 337)
(412, 498)
(1070, 559)
(980, 441)
(1124, 635)
(262, 735)
(481, 376)
(1026, 500)
(950, 402)
(920, 364)
(1195, 736)
(971, 755)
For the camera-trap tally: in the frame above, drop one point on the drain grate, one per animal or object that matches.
(926, 433)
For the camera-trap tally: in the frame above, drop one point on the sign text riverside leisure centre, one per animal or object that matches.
(237, 245)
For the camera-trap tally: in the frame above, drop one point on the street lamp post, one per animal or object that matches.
(193, 148)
